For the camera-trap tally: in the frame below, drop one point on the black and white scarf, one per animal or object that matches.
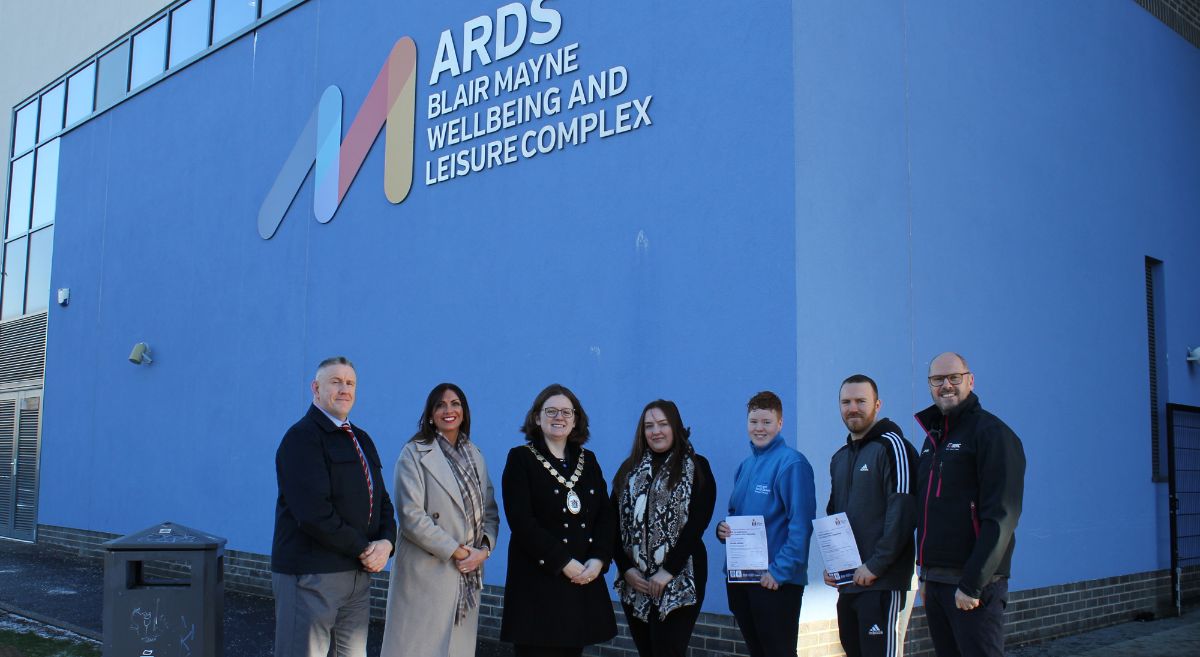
(466, 474)
(651, 517)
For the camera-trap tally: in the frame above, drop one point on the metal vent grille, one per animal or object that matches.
(8, 427)
(25, 519)
(1183, 16)
(1152, 343)
(23, 349)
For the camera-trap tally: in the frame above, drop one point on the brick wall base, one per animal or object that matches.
(1032, 615)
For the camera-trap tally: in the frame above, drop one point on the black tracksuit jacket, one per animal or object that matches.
(872, 480)
(970, 485)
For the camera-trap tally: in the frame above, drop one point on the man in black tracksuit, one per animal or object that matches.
(871, 481)
(970, 484)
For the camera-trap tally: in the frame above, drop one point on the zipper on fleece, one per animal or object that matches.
(850, 474)
(929, 487)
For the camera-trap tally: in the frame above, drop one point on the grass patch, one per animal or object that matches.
(24, 638)
(32, 645)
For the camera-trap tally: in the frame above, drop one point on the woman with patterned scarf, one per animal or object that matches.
(664, 494)
(447, 529)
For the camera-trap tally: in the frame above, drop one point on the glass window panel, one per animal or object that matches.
(52, 112)
(20, 196)
(114, 76)
(232, 15)
(81, 91)
(37, 282)
(12, 304)
(45, 184)
(149, 53)
(269, 6)
(189, 30)
(25, 135)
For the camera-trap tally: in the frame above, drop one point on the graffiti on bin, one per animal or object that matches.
(169, 536)
(148, 625)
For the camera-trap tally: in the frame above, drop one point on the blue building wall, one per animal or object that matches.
(826, 188)
(990, 179)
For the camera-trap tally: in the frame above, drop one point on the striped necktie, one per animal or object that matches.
(362, 458)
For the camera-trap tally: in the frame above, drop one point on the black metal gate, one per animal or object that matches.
(1183, 464)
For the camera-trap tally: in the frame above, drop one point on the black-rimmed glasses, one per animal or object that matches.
(954, 379)
(566, 413)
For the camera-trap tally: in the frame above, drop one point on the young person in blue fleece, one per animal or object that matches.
(776, 482)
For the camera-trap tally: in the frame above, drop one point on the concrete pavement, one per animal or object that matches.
(62, 589)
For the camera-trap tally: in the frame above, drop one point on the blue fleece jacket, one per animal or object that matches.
(776, 482)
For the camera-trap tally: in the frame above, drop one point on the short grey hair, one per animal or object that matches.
(334, 360)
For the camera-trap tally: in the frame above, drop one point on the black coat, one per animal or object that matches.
(321, 523)
(971, 483)
(541, 606)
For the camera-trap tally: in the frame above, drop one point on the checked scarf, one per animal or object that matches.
(467, 476)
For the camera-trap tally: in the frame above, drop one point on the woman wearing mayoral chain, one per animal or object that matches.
(556, 503)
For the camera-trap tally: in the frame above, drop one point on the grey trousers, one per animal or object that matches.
(322, 615)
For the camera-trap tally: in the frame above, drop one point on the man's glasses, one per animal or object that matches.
(566, 413)
(954, 379)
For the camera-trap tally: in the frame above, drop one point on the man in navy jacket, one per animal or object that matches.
(334, 524)
(970, 485)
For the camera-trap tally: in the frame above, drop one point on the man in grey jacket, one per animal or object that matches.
(871, 481)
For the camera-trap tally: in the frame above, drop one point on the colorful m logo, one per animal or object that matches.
(391, 102)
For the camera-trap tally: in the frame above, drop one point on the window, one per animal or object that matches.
(81, 94)
(113, 80)
(20, 198)
(269, 6)
(149, 53)
(52, 112)
(189, 30)
(231, 15)
(12, 304)
(175, 35)
(45, 184)
(37, 283)
(25, 133)
(34, 181)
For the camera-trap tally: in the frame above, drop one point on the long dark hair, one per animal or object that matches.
(426, 432)
(533, 430)
(681, 447)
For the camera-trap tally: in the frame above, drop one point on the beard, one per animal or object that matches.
(859, 423)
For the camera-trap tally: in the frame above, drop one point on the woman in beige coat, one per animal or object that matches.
(447, 530)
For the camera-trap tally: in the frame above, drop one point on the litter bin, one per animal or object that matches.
(164, 593)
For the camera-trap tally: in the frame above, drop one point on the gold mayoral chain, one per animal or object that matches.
(574, 505)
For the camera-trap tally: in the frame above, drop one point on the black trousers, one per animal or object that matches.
(975, 633)
(520, 650)
(663, 638)
(769, 620)
(873, 623)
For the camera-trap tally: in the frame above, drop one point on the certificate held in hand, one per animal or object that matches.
(839, 550)
(746, 549)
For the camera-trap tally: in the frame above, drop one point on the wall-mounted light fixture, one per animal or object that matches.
(1193, 354)
(140, 354)
(64, 296)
